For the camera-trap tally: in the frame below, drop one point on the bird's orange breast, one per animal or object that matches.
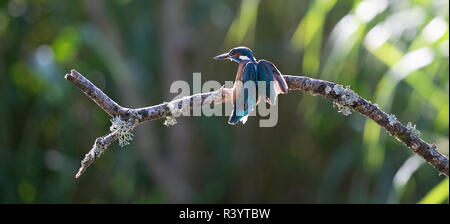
(238, 79)
(239, 71)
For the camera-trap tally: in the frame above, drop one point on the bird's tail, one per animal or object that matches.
(242, 105)
(234, 119)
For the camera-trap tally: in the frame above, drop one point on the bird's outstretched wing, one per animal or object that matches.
(245, 92)
(275, 83)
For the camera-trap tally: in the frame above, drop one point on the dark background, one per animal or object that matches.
(394, 53)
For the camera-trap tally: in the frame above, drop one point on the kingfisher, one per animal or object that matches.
(257, 73)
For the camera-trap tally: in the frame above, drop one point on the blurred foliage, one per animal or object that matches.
(394, 53)
(438, 194)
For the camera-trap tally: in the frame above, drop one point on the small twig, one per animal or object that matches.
(96, 95)
(344, 98)
(101, 143)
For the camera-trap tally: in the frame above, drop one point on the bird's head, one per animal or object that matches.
(237, 54)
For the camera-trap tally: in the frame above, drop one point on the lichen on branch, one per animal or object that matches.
(124, 127)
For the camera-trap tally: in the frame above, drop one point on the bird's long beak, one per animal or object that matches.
(222, 56)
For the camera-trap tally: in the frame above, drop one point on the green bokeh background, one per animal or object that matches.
(394, 53)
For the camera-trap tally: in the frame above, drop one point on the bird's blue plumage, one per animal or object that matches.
(247, 91)
(271, 76)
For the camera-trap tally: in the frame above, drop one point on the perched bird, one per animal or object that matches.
(259, 73)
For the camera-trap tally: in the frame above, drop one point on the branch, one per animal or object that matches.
(101, 143)
(96, 95)
(344, 98)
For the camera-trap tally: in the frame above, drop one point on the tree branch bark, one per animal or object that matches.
(343, 98)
